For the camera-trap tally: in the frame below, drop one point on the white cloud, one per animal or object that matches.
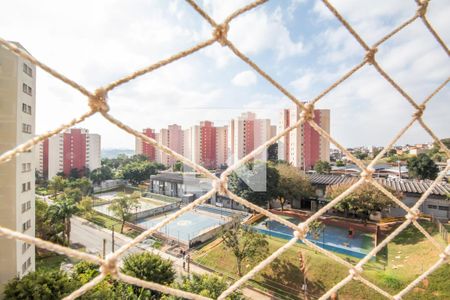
(245, 78)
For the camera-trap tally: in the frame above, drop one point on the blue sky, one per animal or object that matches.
(298, 42)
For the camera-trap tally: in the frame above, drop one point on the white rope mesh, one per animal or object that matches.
(98, 104)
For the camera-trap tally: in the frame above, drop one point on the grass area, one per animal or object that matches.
(108, 223)
(406, 257)
(50, 261)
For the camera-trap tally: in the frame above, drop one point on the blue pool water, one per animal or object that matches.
(187, 226)
(332, 238)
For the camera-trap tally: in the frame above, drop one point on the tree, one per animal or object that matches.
(206, 285)
(101, 174)
(40, 285)
(74, 173)
(57, 184)
(322, 167)
(83, 184)
(315, 228)
(253, 172)
(178, 166)
(340, 163)
(272, 152)
(360, 155)
(62, 211)
(245, 243)
(150, 267)
(73, 193)
(138, 171)
(364, 200)
(45, 228)
(422, 167)
(123, 205)
(291, 185)
(85, 205)
(304, 268)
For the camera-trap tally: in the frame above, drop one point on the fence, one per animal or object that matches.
(442, 230)
(98, 104)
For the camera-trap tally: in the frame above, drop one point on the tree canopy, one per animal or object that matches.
(260, 174)
(245, 243)
(364, 200)
(322, 167)
(123, 206)
(292, 184)
(422, 167)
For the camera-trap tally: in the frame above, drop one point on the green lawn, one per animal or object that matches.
(407, 257)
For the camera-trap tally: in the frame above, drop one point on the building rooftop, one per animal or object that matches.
(398, 185)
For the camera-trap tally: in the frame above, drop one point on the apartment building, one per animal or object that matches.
(17, 125)
(303, 146)
(171, 137)
(245, 134)
(74, 149)
(145, 148)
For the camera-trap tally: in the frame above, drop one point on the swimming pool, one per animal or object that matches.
(331, 238)
(188, 226)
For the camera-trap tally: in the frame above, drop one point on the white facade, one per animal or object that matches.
(17, 125)
(221, 145)
(172, 137)
(93, 151)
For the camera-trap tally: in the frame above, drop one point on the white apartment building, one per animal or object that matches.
(172, 137)
(17, 125)
(245, 134)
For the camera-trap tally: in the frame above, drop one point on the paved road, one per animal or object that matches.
(91, 236)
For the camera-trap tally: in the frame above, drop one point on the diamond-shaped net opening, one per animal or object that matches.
(98, 105)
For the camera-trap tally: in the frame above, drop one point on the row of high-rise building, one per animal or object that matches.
(214, 146)
(75, 150)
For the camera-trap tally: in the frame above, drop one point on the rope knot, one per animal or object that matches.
(308, 112)
(221, 185)
(367, 174)
(220, 33)
(109, 266)
(302, 231)
(419, 111)
(98, 101)
(413, 215)
(355, 271)
(423, 5)
(370, 55)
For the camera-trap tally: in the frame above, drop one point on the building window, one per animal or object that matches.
(26, 206)
(26, 108)
(443, 208)
(27, 70)
(26, 128)
(26, 225)
(27, 89)
(29, 262)
(25, 247)
(26, 186)
(24, 267)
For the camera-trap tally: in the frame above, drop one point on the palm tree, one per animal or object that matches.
(57, 184)
(123, 205)
(62, 210)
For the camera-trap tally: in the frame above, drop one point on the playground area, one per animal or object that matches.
(193, 227)
(333, 238)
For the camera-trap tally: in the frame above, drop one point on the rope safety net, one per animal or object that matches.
(97, 102)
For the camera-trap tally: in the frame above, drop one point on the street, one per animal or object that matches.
(91, 236)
